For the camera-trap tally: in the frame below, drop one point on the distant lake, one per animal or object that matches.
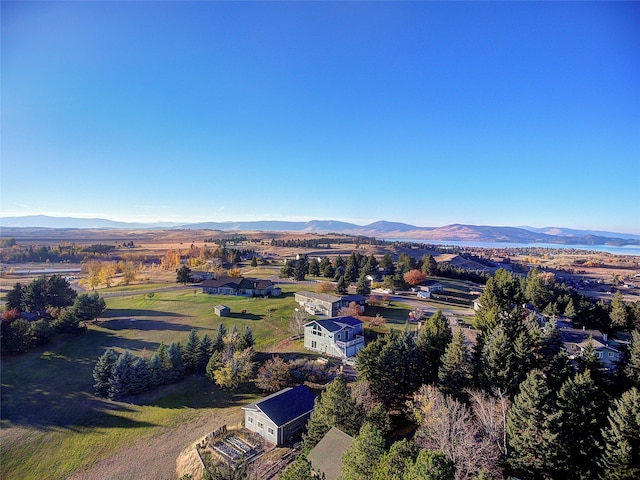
(614, 249)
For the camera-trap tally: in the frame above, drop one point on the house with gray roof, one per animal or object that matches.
(250, 287)
(340, 337)
(576, 340)
(281, 415)
(326, 304)
(326, 457)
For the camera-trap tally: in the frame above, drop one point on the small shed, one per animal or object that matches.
(222, 310)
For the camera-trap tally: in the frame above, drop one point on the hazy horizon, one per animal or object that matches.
(426, 113)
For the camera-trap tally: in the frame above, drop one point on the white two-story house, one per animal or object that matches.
(340, 337)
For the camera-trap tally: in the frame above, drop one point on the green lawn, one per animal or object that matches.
(51, 422)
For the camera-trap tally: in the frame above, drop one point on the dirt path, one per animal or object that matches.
(155, 458)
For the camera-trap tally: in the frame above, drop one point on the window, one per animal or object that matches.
(250, 419)
(260, 426)
(610, 354)
(314, 344)
(599, 354)
(270, 431)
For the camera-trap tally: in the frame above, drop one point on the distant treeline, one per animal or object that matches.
(59, 253)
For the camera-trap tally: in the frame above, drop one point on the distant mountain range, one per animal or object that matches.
(381, 229)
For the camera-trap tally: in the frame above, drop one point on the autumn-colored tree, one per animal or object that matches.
(129, 271)
(94, 273)
(171, 259)
(108, 272)
(414, 277)
(234, 272)
(274, 375)
(353, 310)
(325, 287)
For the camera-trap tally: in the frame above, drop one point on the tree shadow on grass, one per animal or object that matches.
(133, 312)
(244, 316)
(142, 324)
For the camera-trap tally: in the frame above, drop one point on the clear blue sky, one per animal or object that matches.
(425, 113)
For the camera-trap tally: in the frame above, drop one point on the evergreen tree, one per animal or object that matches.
(360, 460)
(386, 262)
(621, 454)
(246, 340)
(431, 466)
(618, 312)
(496, 362)
(580, 406)
(121, 375)
(205, 349)
(334, 408)
(183, 275)
(89, 306)
(156, 373)
(364, 286)
(432, 340)
(343, 286)
(300, 469)
(530, 421)
(455, 372)
(314, 267)
(396, 462)
(102, 372)
(190, 352)
(15, 298)
(589, 361)
(429, 266)
(140, 376)
(301, 268)
(218, 338)
(351, 270)
(632, 368)
(165, 363)
(176, 370)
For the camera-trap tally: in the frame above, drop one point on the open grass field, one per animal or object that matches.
(54, 427)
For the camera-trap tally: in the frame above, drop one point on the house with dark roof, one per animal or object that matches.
(340, 337)
(281, 415)
(326, 457)
(575, 341)
(250, 287)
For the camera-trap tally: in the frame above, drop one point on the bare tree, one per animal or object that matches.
(491, 416)
(448, 425)
(297, 321)
(353, 310)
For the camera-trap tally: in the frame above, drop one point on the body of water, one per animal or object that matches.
(614, 249)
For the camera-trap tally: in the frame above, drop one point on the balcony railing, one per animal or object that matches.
(350, 343)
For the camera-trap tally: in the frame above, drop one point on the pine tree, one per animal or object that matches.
(431, 466)
(531, 438)
(140, 376)
(176, 372)
(246, 340)
(190, 352)
(455, 373)
(363, 287)
(360, 460)
(102, 372)
(632, 368)
(205, 349)
(580, 406)
(165, 363)
(393, 464)
(300, 469)
(431, 342)
(618, 313)
(334, 408)
(156, 373)
(218, 338)
(342, 288)
(621, 454)
(496, 362)
(121, 375)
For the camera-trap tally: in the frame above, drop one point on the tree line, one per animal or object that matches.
(58, 253)
(51, 306)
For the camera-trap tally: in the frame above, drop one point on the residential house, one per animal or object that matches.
(198, 276)
(281, 415)
(250, 287)
(327, 304)
(340, 337)
(576, 340)
(326, 457)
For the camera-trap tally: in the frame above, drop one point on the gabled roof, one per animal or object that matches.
(285, 405)
(354, 298)
(326, 456)
(337, 323)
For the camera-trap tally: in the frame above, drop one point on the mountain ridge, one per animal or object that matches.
(380, 229)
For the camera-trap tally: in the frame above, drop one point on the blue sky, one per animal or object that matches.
(428, 113)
